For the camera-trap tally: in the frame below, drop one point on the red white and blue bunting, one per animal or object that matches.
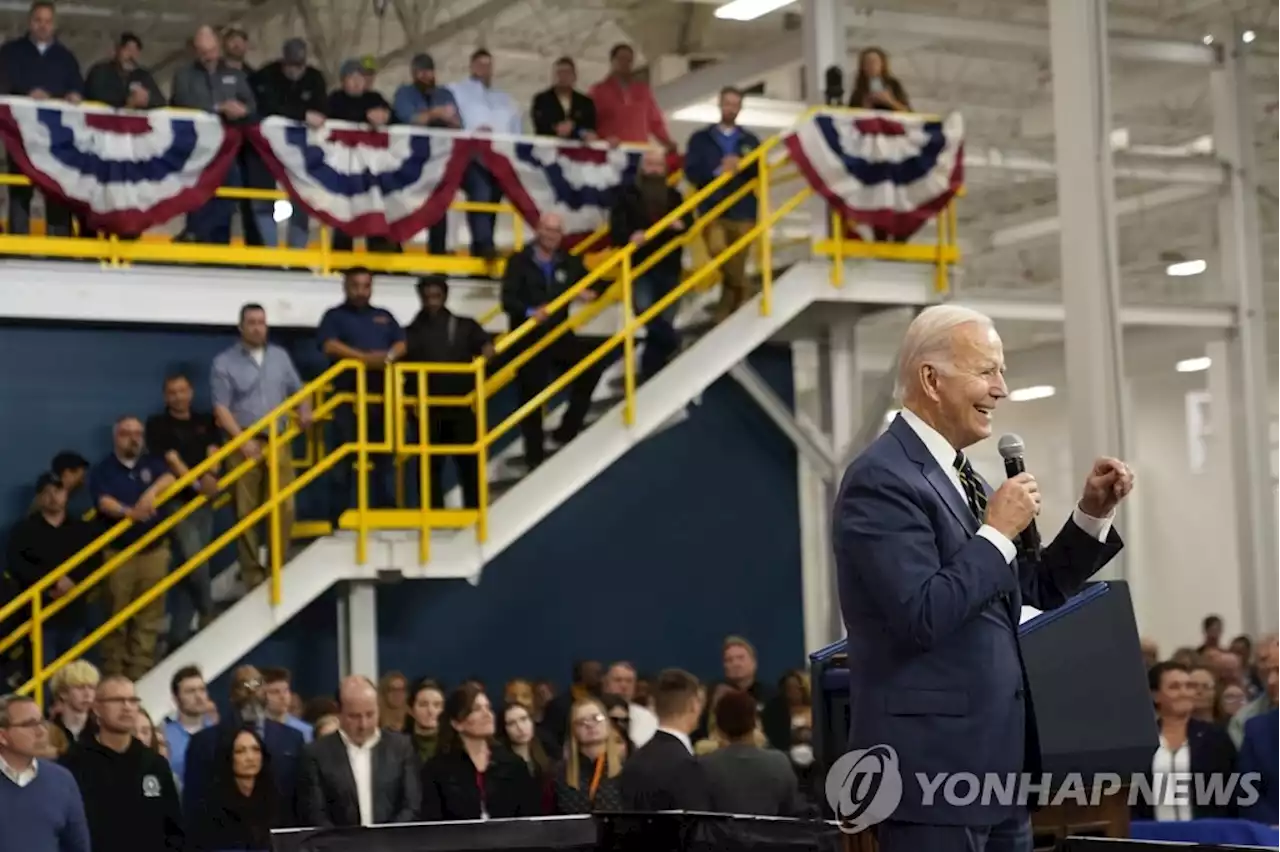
(123, 172)
(890, 171)
(580, 182)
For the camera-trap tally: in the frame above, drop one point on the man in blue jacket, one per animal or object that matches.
(713, 151)
(932, 585)
(38, 66)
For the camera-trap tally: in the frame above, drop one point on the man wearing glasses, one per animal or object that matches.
(130, 800)
(248, 709)
(40, 806)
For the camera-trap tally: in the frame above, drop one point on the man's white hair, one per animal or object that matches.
(928, 340)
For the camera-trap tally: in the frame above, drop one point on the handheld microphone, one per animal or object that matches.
(834, 92)
(1011, 450)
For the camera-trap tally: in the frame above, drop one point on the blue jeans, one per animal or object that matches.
(480, 187)
(382, 479)
(661, 342)
(212, 222)
(299, 228)
(194, 594)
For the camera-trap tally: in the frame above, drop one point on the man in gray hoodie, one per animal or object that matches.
(209, 84)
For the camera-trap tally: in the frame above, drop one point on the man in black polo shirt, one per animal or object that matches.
(437, 335)
(41, 542)
(126, 484)
(356, 330)
(184, 439)
(71, 468)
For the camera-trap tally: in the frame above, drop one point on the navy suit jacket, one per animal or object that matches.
(282, 742)
(931, 610)
(1260, 752)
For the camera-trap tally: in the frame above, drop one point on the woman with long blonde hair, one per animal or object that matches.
(587, 780)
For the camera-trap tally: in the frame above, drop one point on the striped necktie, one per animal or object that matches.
(972, 487)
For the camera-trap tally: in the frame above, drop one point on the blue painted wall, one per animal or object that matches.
(691, 536)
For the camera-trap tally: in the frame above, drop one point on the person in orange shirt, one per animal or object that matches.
(626, 110)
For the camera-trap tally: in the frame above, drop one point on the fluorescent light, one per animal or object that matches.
(282, 210)
(1186, 268)
(1247, 36)
(1033, 392)
(1193, 365)
(749, 10)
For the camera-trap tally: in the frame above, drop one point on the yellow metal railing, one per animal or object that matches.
(778, 191)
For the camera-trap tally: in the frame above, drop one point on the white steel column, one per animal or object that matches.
(1249, 406)
(1089, 244)
(358, 629)
(826, 43)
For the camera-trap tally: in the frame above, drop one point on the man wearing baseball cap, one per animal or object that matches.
(355, 101)
(425, 104)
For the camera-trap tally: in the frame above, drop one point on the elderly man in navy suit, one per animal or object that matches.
(931, 586)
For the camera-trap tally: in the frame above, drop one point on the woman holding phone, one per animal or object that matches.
(875, 87)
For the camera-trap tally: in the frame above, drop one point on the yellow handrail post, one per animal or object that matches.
(628, 343)
(837, 239)
(517, 228)
(940, 261)
(424, 469)
(37, 648)
(325, 261)
(482, 454)
(362, 466)
(276, 537)
(766, 240)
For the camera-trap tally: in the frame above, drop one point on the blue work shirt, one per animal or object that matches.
(366, 328)
(249, 390)
(179, 738)
(127, 483)
(411, 99)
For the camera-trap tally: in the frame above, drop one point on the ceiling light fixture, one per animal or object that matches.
(1193, 365)
(1207, 40)
(281, 211)
(1033, 392)
(749, 10)
(1186, 268)
(1248, 36)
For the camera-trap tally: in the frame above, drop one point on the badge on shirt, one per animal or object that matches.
(150, 787)
(145, 475)
(380, 319)
(229, 80)
(559, 276)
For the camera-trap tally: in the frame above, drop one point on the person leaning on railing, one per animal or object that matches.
(127, 484)
(249, 380)
(121, 82)
(714, 150)
(424, 103)
(354, 101)
(211, 85)
(38, 66)
(535, 276)
(562, 110)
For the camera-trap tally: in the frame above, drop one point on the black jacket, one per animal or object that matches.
(547, 112)
(327, 794)
(444, 338)
(1213, 755)
(630, 215)
(277, 94)
(108, 83)
(36, 548)
(663, 776)
(130, 800)
(344, 107)
(451, 788)
(525, 286)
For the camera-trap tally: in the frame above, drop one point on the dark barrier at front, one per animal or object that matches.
(665, 832)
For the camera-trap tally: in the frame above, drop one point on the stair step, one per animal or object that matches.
(400, 519)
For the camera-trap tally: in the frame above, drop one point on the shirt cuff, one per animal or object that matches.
(1098, 528)
(1002, 543)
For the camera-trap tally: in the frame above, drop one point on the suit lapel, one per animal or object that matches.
(933, 474)
(346, 777)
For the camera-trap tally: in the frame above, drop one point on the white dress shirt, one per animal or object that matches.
(945, 455)
(680, 735)
(643, 724)
(22, 778)
(1171, 775)
(361, 758)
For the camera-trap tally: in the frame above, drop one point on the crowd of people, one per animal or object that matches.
(1216, 706)
(98, 773)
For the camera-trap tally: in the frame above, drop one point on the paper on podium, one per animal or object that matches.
(1028, 613)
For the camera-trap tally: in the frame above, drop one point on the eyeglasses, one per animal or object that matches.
(130, 701)
(30, 724)
(249, 684)
(620, 721)
(593, 719)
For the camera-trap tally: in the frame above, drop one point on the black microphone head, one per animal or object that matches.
(1011, 447)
